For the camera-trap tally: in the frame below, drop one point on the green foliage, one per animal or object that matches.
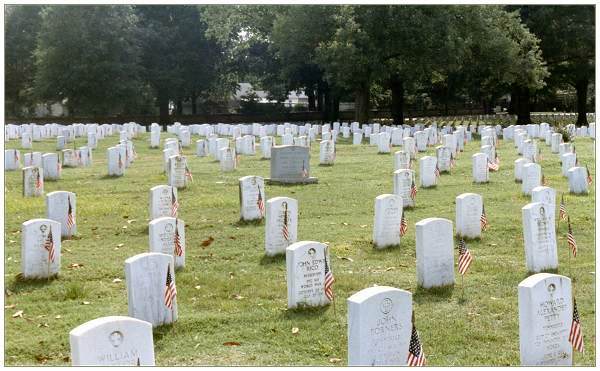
(88, 57)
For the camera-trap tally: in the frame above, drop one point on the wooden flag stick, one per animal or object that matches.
(462, 284)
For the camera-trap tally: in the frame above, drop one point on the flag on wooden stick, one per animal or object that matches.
(464, 257)
(49, 245)
(174, 204)
(70, 216)
(562, 212)
(483, 219)
(177, 240)
(170, 289)
(403, 225)
(329, 280)
(416, 356)
(576, 335)
(571, 239)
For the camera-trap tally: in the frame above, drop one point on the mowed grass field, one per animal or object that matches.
(230, 292)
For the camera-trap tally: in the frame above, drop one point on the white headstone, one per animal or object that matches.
(556, 139)
(480, 168)
(578, 180)
(40, 248)
(116, 163)
(379, 327)
(146, 277)
(568, 160)
(386, 223)
(12, 159)
(404, 180)
(252, 197)
(327, 152)
(540, 237)
(401, 160)
(33, 181)
(177, 171)
(163, 202)
(532, 177)
(112, 341)
(545, 316)
(427, 171)
(163, 233)
(519, 163)
(469, 207)
(545, 195)
(281, 224)
(61, 206)
(435, 253)
(305, 264)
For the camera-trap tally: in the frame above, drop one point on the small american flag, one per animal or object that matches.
(188, 173)
(575, 335)
(483, 219)
(562, 212)
(238, 158)
(493, 166)
(38, 180)
(452, 160)
(590, 179)
(304, 171)
(177, 241)
(464, 257)
(170, 289)
(16, 155)
(403, 225)
(416, 356)
(539, 154)
(70, 217)
(120, 163)
(49, 245)
(413, 190)
(260, 203)
(410, 163)
(284, 230)
(571, 239)
(126, 154)
(437, 171)
(174, 204)
(329, 280)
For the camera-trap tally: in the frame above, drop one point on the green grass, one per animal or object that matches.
(482, 330)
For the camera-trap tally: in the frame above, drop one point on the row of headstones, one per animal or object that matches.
(380, 324)
(49, 162)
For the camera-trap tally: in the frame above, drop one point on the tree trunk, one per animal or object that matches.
(361, 104)
(163, 108)
(523, 109)
(310, 93)
(582, 88)
(335, 108)
(194, 107)
(179, 107)
(320, 99)
(397, 107)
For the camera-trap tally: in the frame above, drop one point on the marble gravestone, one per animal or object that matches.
(540, 237)
(33, 181)
(421, 139)
(32, 159)
(444, 158)
(167, 154)
(545, 316)
(386, 223)
(480, 168)
(427, 177)
(379, 326)
(568, 160)
(146, 276)
(305, 265)
(281, 221)
(59, 205)
(116, 165)
(403, 182)
(266, 142)
(577, 176)
(401, 160)
(532, 177)
(327, 152)
(12, 159)
(26, 140)
(519, 163)
(163, 202)
(555, 141)
(154, 139)
(357, 138)
(383, 143)
(545, 195)
(51, 166)
(70, 158)
(408, 144)
(228, 159)
(162, 233)
(435, 253)
(40, 248)
(177, 172)
(252, 198)
(290, 164)
(61, 142)
(112, 341)
(201, 148)
(469, 207)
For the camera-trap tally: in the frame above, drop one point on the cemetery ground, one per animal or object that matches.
(232, 299)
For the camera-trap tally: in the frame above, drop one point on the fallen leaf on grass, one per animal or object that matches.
(335, 360)
(207, 242)
(120, 245)
(85, 302)
(67, 250)
(75, 265)
(11, 241)
(10, 306)
(237, 296)
(197, 287)
(124, 227)
(232, 344)
(58, 317)
(346, 258)
(7, 292)
(232, 238)
(19, 313)
(231, 275)
(295, 330)
(41, 359)
(43, 325)
(363, 226)
(131, 221)
(345, 223)
(117, 280)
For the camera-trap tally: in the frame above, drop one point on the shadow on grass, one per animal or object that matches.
(443, 293)
(23, 284)
(549, 270)
(164, 330)
(268, 260)
(305, 312)
(107, 177)
(247, 223)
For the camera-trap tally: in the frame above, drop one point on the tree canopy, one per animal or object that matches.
(113, 59)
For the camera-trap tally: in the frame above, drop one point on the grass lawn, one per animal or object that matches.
(230, 292)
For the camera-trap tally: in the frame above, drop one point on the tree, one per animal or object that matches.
(567, 36)
(22, 25)
(88, 57)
